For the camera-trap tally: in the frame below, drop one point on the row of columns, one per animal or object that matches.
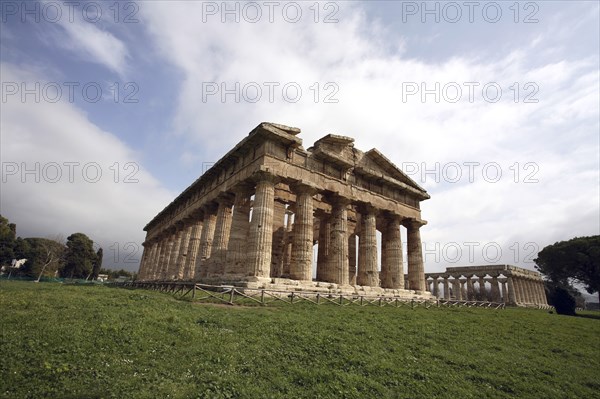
(527, 290)
(336, 258)
(228, 243)
(510, 289)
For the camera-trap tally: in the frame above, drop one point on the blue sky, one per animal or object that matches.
(507, 175)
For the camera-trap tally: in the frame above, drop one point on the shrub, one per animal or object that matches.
(562, 300)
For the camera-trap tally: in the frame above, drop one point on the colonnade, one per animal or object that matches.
(250, 234)
(501, 283)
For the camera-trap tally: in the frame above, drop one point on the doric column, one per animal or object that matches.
(416, 270)
(157, 255)
(143, 262)
(174, 254)
(160, 258)
(206, 240)
(436, 288)
(384, 274)
(482, 291)
(183, 251)
(526, 290)
(540, 285)
(392, 271)
(361, 255)
(523, 290)
(240, 223)
(218, 257)
(287, 245)
(146, 260)
(456, 289)
(164, 248)
(543, 289)
(161, 272)
(534, 294)
(164, 268)
(153, 260)
(512, 292)
(515, 283)
(470, 289)
(367, 249)
(504, 291)
(302, 234)
(352, 259)
(338, 240)
(193, 250)
(323, 269)
(446, 288)
(260, 237)
(279, 236)
(519, 282)
(534, 291)
(495, 289)
(463, 289)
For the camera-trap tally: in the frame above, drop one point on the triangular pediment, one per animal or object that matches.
(374, 161)
(373, 165)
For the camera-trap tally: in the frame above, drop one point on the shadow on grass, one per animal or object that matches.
(589, 315)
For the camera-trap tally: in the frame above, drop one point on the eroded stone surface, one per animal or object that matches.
(263, 214)
(509, 284)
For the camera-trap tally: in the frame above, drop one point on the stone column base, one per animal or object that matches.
(289, 285)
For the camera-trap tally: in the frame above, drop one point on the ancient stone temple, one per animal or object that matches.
(269, 211)
(508, 284)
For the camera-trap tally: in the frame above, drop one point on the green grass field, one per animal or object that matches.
(66, 341)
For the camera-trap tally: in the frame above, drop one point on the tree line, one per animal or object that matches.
(51, 257)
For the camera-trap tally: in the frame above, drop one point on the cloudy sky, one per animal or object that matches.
(109, 110)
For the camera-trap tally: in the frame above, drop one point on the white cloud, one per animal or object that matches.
(354, 55)
(56, 197)
(91, 43)
(369, 63)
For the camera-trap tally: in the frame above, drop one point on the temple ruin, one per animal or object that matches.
(261, 214)
(508, 284)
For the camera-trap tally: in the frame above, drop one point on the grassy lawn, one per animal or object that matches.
(63, 341)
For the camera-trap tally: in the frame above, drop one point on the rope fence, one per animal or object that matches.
(230, 295)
